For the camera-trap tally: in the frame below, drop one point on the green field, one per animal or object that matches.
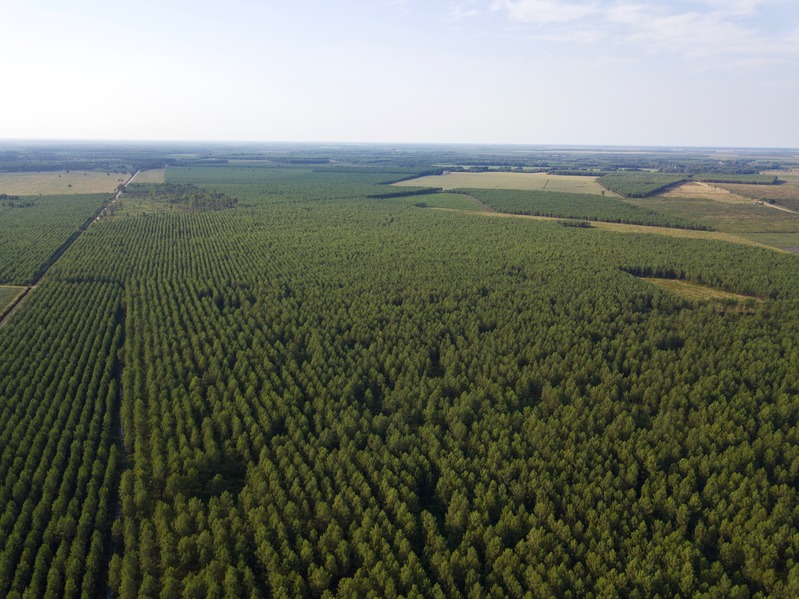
(264, 382)
(756, 222)
(503, 180)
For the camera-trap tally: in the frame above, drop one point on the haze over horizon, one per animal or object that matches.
(530, 72)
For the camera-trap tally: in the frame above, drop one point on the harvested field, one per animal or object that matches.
(60, 182)
(503, 180)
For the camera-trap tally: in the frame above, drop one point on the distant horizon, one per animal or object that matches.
(238, 142)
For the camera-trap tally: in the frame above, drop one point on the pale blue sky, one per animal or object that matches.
(643, 72)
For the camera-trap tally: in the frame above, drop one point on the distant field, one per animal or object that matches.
(155, 175)
(524, 181)
(739, 219)
(785, 194)
(791, 175)
(785, 241)
(60, 182)
(694, 189)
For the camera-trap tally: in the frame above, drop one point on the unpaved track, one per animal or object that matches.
(783, 208)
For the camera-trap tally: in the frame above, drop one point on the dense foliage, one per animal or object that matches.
(574, 205)
(316, 391)
(639, 184)
(34, 229)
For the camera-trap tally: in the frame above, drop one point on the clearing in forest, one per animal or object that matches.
(60, 182)
(505, 180)
(696, 292)
(705, 191)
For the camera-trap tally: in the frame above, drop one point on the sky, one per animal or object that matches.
(590, 72)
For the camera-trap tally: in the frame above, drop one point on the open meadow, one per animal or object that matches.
(784, 194)
(702, 293)
(60, 182)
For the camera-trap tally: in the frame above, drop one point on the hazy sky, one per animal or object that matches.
(646, 72)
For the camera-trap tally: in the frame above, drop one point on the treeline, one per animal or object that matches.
(576, 172)
(727, 178)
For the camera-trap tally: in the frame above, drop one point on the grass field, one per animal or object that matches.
(155, 175)
(739, 219)
(60, 182)
(8, 293)
(705, 191)
(525, 181)
(694, 292)
(785, 194)
(786, 241)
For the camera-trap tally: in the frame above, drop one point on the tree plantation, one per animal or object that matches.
(277, 380)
